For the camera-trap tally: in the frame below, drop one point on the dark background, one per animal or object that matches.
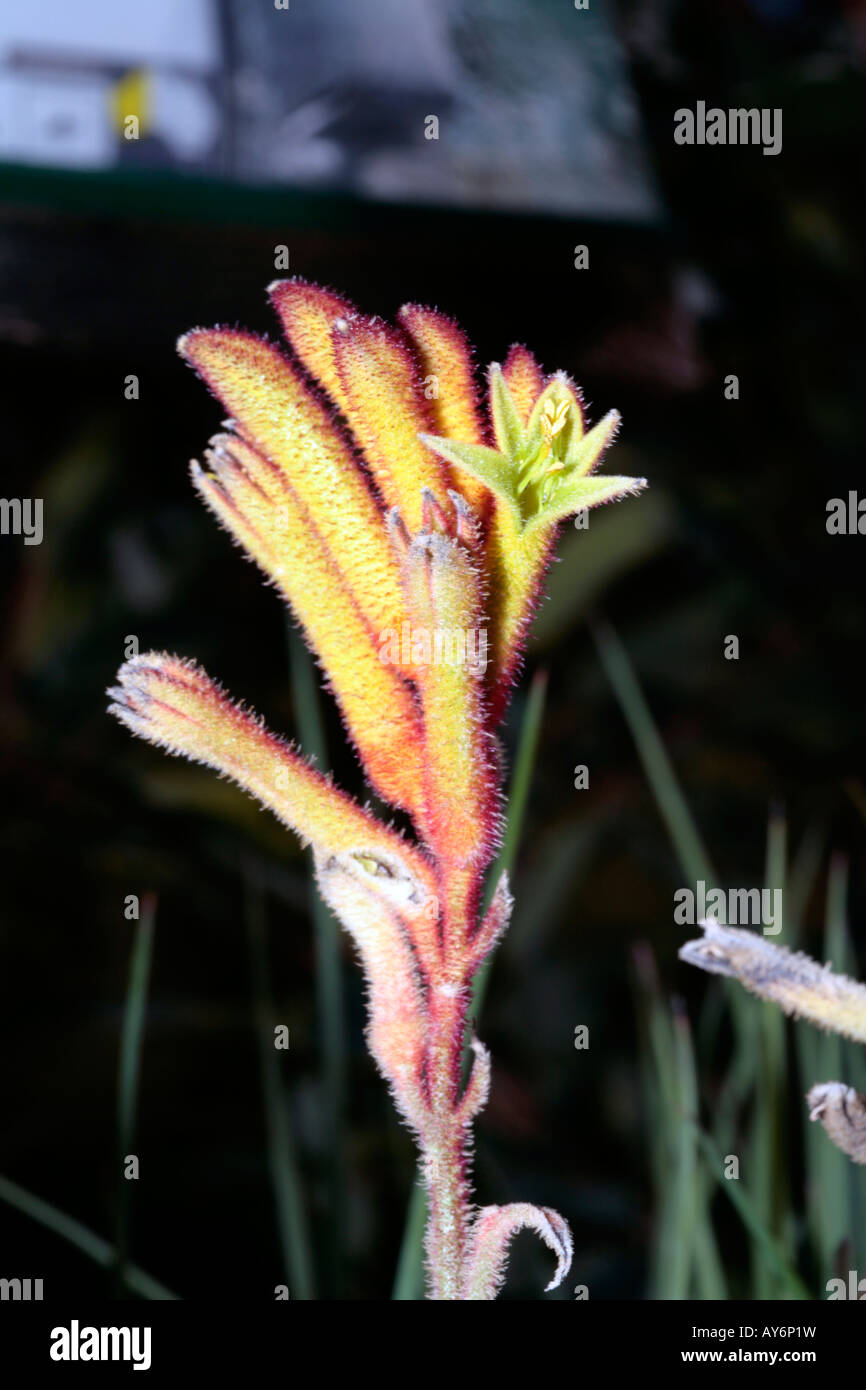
(752, 265)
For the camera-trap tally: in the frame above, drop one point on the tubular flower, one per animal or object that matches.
(407, 522)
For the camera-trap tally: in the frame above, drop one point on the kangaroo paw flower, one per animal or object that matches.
(308, 314)
(449, 647)
(387, 413)
(539, 468)
(524, 379)
(408, 523)
(539, 473)
(445, 360)
(267, 517)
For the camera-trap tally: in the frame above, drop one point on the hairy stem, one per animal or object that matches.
(445, 1143)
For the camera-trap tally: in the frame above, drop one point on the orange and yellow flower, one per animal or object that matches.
(393, 507)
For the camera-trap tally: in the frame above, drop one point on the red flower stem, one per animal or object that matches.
(445, 1163)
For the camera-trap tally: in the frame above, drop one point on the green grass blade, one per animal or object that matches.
(590, 562)
(308, 709)
(709, 1273)
(680, 1227)
(768, 1175)
(733, 1188)
(291, 1215)
(801, 879)
(409, 1280)
(755, 1037)
(521, 780)
(683, 1245)
(330, 999)
(518, 796)
(129, 1072)
(853, 1058)
(657, 1056)
(834, 1184)
(694, 861)
(85, 1240)
(683, 832)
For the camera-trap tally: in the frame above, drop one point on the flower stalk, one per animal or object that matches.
(380, 494)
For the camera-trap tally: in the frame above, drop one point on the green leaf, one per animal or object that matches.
(573, 494)
(507, 424)
(92, 1245)
(131, 1044)
(583, 453)
(487, 465)
(619, 540)
(682, 829)
(292, 1221)
(330, 1002)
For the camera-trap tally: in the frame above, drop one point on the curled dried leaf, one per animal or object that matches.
(383, 906)
(494, 923)
(474, 1098)
(842, 1112)
(491, 1235)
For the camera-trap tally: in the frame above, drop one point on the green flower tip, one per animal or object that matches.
(541, 468)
